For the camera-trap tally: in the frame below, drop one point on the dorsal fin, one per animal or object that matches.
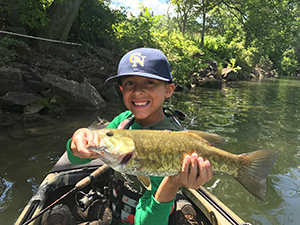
(214, 139)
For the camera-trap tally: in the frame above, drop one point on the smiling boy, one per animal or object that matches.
(145, 80)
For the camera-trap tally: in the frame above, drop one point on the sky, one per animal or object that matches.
(158, 7)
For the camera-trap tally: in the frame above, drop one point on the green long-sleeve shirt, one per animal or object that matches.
(148, 210)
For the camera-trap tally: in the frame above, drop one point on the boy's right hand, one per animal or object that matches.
(82, 138)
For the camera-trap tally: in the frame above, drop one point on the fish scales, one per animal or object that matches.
(166, 159)
(161, 153)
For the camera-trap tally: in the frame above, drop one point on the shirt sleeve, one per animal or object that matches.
(72, 158)
(119, 119)
(151, 212)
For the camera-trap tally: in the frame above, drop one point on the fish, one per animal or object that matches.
(145, 153)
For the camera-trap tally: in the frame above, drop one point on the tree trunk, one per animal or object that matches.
(203, 25)
(62, 17)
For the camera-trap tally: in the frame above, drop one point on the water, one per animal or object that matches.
(251, 115)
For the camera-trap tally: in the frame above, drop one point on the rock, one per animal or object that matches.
(77, 92)
(229, 75)
(11, 80)
(33, 108)
(111, 94)
(212, 64)
(211, 83)
(19, 98)
(103, 53)
(65, 54)
(261, 73)
(9, 119)
(32, 79)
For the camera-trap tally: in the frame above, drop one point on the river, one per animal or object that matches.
(251, 115)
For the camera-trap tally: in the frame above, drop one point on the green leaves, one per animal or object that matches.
(33, 13)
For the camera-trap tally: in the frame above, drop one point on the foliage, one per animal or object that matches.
(239, 33)
(181, 53)
(94, 23)
(9, 47)
(4, 11)
(234, 53)
(265, 63)
(135, 32)
(289, 64)
(33, 13)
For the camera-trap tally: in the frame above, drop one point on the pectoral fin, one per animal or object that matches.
(145, 181)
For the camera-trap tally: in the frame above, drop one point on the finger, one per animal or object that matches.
(193, 167)
(186, 164)
(209, 169)
(85, 153)
(204, 170)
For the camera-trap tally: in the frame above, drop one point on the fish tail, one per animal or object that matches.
(253, 175)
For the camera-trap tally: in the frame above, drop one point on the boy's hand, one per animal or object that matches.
(81, 138)
(191, 176)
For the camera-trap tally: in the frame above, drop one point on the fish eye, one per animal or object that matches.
(109, 134)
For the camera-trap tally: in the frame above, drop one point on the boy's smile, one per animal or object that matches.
(144, 97)
(141, 103)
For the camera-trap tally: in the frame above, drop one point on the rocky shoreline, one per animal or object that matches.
(66, 78)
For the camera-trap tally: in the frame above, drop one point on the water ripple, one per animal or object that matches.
(6, 187)
(287, 186)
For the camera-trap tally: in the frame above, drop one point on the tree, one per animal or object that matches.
(62, 16)
(46, 18)
(185, 10)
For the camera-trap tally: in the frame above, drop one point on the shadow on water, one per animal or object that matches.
(29, 150)
(251, 115)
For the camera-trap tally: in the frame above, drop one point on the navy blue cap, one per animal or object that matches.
(144, 62)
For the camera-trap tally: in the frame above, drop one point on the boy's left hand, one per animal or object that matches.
(194, 173)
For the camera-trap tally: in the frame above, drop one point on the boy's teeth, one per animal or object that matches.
(140, 103)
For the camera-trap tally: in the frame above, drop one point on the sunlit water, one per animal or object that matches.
(251, 115)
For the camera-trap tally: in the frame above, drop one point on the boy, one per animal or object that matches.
(145, 80)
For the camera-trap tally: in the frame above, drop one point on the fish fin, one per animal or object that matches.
(213, 139)
(145, 181)
(253, 175)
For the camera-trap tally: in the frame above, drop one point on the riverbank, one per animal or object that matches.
(59, 78)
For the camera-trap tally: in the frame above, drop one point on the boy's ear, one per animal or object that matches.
(170, 89)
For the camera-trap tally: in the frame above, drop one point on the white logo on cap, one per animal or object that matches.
(136, 58)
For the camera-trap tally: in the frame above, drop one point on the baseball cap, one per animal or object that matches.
(144, 62)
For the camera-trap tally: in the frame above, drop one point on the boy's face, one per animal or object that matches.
(144, 97)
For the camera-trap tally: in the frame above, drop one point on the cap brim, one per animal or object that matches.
(117, 78)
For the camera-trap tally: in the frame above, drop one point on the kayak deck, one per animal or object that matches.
(64, 175)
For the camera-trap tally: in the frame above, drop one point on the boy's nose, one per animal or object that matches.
(138, 89)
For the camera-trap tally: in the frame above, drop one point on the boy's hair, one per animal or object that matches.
(145, 62)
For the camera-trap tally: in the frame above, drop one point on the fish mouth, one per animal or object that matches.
(126, 158)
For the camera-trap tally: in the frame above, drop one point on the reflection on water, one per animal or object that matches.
(287, 185)
(5, 193)
(251, 115)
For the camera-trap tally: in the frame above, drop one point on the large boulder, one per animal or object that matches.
(32, 79)
(229, 75)
(78, 92)
(14, 101)
(11, 80)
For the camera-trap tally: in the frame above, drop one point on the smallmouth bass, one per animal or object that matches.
(147, 153)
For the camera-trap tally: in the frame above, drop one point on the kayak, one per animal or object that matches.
(65, 175)
(74, 185)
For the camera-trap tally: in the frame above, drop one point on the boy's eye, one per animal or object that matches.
(150, 82)
(128, 83)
